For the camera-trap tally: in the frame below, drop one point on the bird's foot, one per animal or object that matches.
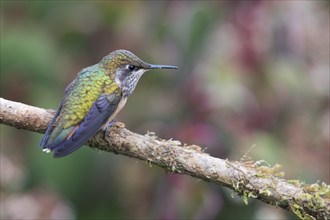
(108, 126)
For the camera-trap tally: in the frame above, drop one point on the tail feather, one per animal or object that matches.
(57, 137)
(64, 144)
(48, 132)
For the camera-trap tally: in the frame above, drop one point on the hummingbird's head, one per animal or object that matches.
(125, 69)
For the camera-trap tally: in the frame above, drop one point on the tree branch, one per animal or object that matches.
(246, 178)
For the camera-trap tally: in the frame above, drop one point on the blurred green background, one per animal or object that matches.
(252, 73)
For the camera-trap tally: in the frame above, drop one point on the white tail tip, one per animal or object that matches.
(46, 150)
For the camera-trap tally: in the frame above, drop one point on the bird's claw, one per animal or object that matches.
(108, 126)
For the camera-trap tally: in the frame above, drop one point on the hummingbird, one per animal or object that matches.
(92, 100)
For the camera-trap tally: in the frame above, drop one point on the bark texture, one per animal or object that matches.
(247, 178)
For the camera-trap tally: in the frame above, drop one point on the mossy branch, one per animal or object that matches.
(247, 178)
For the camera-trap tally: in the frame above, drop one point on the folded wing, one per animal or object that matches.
(70, 139)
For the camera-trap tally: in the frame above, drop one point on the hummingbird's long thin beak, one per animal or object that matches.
(153, 66)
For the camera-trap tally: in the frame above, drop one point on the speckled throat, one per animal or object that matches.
(131, 81)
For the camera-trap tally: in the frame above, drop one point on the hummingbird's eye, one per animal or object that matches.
(130, 67)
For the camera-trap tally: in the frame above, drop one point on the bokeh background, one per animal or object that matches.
(254, 76)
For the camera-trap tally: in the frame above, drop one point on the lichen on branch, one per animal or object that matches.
(247, 178)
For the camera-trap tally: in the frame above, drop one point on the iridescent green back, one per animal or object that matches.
(90, 83)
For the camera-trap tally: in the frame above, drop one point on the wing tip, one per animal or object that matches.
(62, 148)
(59, 152)
(64, 151)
